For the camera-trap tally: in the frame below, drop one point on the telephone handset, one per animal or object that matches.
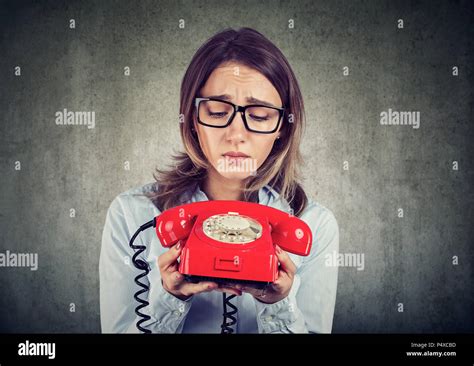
(232, 240)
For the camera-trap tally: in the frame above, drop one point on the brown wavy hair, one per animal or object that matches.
(281, 168)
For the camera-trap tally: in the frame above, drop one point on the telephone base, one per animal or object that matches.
(229, 282)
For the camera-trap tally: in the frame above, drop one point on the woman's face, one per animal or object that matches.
(240, 85)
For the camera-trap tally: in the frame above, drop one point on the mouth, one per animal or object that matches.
(235, 155)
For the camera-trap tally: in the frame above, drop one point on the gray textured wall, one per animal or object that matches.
(408, 260)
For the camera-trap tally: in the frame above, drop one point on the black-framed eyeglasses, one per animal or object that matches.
(220, 113)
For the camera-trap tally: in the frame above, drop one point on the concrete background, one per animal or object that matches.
(407, 260)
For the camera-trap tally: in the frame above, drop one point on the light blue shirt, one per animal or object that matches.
(309, 307)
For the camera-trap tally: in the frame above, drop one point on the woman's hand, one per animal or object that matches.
(175, 283)
(279, 289)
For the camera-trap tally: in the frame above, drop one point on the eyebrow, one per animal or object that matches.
(252, 100)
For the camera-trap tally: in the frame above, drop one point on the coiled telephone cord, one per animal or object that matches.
(140, 264)
(229, 318)
(143, 266)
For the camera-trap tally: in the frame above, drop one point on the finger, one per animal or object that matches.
(251, 290)
(286, 263)
(169, 258)
(175, 279)
(173, 267)
(248, 286)
(189, 288)
(281, 283)
(172, 281)
(283, 276)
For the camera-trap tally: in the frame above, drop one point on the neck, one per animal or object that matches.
(217, 187)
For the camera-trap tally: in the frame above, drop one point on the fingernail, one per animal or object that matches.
(278, 249)
(178, 246)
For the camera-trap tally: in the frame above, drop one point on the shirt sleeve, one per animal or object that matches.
(117, 285)
(309, 307)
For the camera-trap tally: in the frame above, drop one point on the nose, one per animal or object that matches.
(236, 131)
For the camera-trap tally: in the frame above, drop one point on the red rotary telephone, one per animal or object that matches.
(232, 240)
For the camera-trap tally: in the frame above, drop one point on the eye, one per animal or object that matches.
(218, 114)
(259, 118)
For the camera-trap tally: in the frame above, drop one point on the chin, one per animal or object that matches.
(235, 175)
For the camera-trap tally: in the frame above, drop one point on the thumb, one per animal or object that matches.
(168, 259)
(286, 263)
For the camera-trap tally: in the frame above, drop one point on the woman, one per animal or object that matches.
(241, 122)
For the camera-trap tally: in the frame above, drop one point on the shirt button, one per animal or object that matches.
(177, 313)
(268, 318)
(291, 307)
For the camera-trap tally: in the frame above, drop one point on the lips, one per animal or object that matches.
(235, 154)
